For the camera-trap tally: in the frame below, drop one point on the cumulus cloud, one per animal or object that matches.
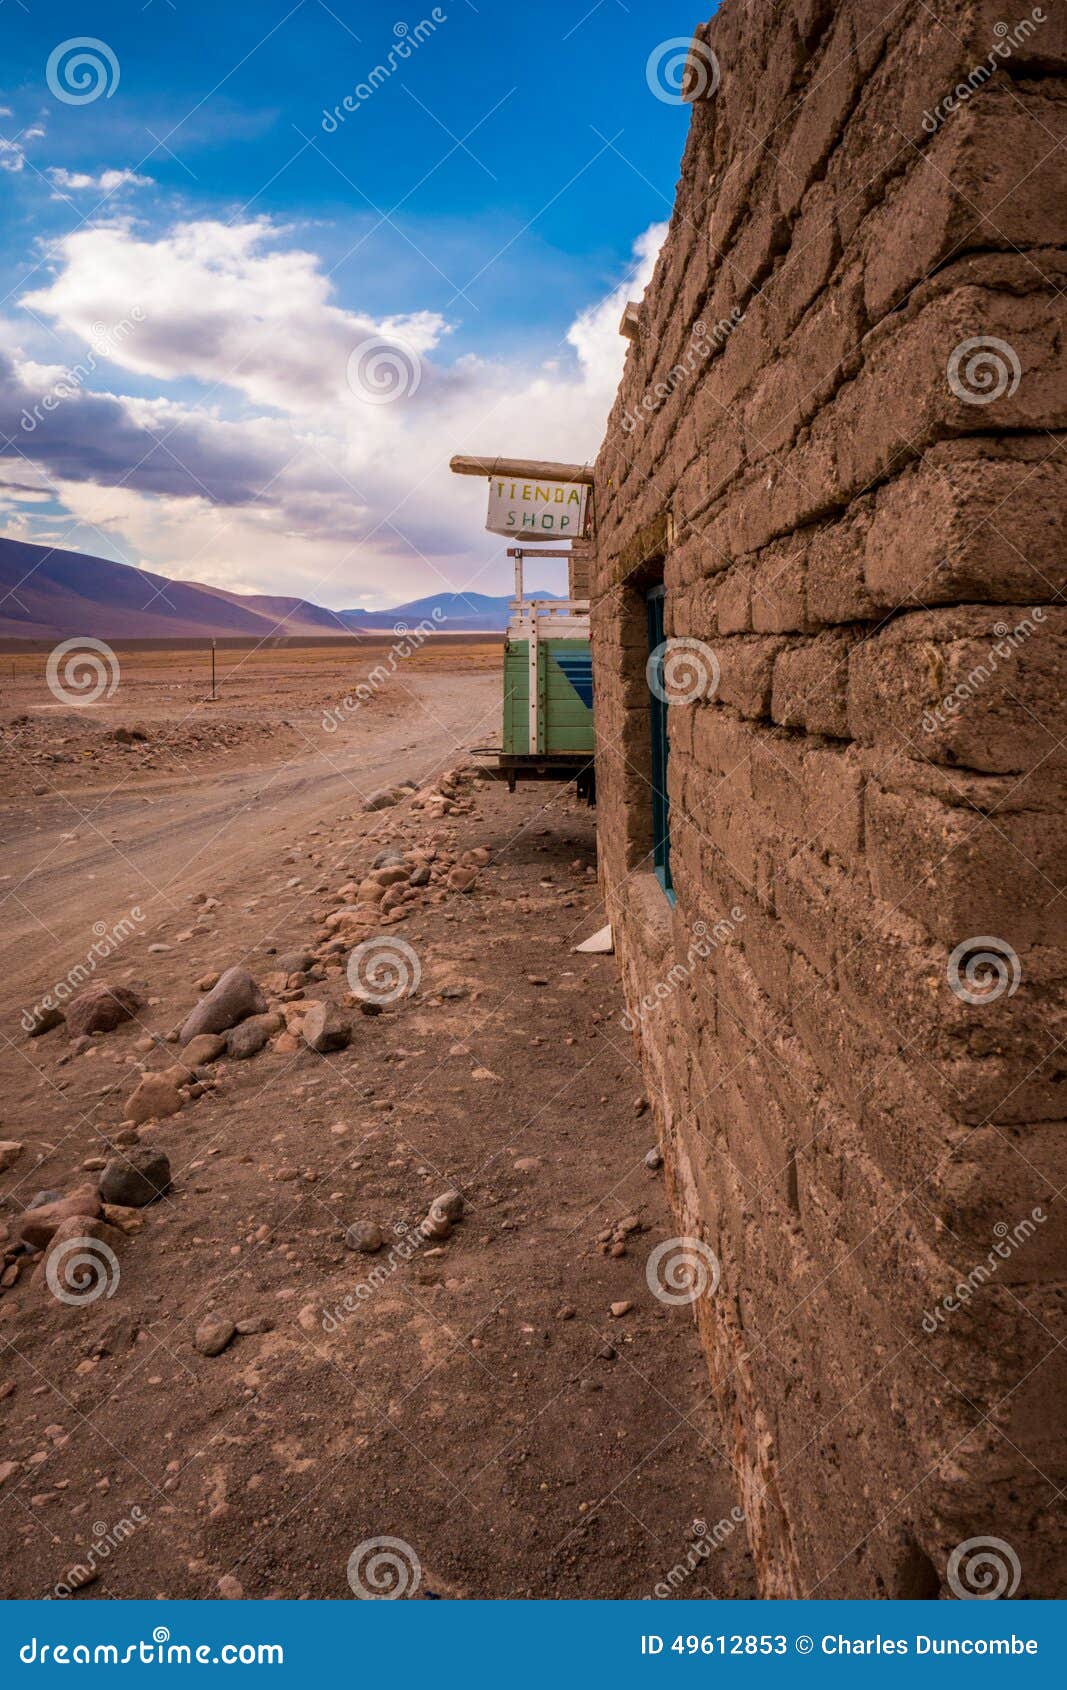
(288, 473)
(105, 182)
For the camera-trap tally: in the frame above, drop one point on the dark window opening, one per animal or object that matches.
(655, 601)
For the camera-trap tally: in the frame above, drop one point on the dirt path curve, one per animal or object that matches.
(70, 859)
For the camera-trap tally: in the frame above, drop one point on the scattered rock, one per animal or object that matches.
(230, 1588)
(462, 879)
(383, 799)
(100, 1009)
(234, 997)
(325, 1029)
(39, 1224)
(153, 1100)
(10, 1151)
(212, 1336)
(206, 1047)
(619, 1309)
(80, 1272)
(295, 962)
(249, 1037)
(527, 1164)
(449, 1205)
(44, 1021)
(137, 1178)
(654, 1158)
(364, 1236)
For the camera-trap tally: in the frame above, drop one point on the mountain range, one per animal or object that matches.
(50, 594)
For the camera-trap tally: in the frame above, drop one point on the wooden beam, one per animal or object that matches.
(523, 469)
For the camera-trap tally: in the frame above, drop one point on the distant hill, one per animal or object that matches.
(460, 612)
(50, 594)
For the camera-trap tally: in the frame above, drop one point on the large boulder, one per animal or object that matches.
(235, 997)
(80, 1264)
(136, 1178)
(100, 1009)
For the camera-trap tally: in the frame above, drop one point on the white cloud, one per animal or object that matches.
(283, 478)
(12, 157)
(106, 182)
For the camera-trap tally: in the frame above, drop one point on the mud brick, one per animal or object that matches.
(806, 371)
(994, 152)
(973, 520)
(822, 115)
(973, 687)
(811, 685)
(963, 875)
(733, 601)
(834, 582)
(779, 600)
(747, 666)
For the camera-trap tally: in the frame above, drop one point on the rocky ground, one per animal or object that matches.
(325, 1215)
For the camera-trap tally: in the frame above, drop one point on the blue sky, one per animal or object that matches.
(265, 321)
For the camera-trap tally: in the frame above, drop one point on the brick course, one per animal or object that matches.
(876, 777)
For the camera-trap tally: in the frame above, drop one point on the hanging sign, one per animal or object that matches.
(536, 510)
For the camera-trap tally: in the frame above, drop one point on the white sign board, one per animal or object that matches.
(536, 510)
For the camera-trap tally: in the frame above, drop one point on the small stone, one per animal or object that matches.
(364, 1236)
(206, 1047)
(567, 1312)
(527, 1164)
(213, 1334)
(44, 1021)
(654, 1158)
(619, 1309)
(153, 1100)
(249, 1037)
(449, 1205)
(324, 1029)
(462, 879)
(10, 1151)
(100, 1009)
(136, 1178)
(230, 1588)
(40, 1223)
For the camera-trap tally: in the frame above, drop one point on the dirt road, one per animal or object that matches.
(513, 1403)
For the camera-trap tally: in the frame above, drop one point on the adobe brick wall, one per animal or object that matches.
(877, 777)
